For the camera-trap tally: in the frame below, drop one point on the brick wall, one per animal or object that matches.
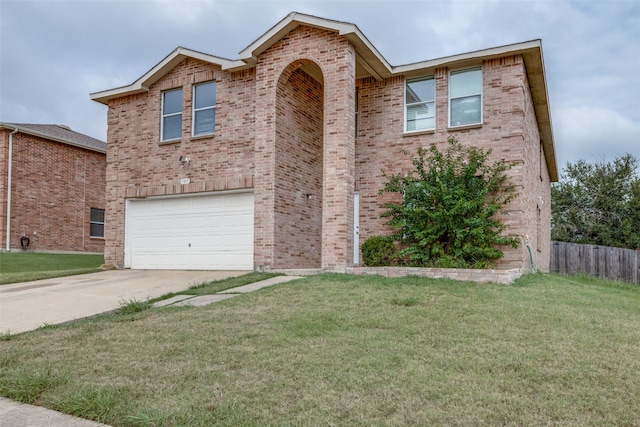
(54, 185)
(276, 127)
(335, 58)
(509, 129)
(139, 165)
(4, 158)
(298, 201)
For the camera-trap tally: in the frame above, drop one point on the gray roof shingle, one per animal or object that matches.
(59, 133)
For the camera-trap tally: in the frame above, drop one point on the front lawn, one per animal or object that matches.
(26, 266)
(349, 350)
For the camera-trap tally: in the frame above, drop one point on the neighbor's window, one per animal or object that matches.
(204, 108)
(420, 105)
(465, 97)
(96, 223)
(171, 115)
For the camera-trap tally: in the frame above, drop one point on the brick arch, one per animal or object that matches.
(298, 192)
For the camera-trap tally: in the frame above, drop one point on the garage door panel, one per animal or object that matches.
(203, 232)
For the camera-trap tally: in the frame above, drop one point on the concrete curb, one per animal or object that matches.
(16, 414)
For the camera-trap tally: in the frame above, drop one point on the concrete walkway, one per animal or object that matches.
(26, 306)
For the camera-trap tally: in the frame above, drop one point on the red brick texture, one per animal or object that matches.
(509, 129)
(54, 186)
(298, 190)
(286, 129)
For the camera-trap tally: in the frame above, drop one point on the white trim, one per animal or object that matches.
(9, 184)
(143, 83)
(480, 68)
(104, 223)
(435, 95)
(210, 107)
(162, 115)
(463, 60)
(356, 228)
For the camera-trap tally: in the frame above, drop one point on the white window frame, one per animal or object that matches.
(208, 107)
(418, 103)
(481, 93)
(163, 116)
(91, 222)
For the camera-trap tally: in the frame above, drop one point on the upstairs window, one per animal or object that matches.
(204, 109)
(465, 97)
(420, 105)
(171, 126)
(96, 223)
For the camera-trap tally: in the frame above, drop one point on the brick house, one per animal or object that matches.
(273, 160)
(57, 182)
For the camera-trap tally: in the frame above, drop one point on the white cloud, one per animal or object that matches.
(593, 133)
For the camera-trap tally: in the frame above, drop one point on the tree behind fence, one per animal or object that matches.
(600, 261)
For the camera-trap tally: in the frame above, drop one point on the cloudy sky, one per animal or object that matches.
(54, 53)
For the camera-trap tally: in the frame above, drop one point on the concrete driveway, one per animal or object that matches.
(29, 305)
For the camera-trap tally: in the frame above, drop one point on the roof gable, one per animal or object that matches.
(59, 133)
(369, 62)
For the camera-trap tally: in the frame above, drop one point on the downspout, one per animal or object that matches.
(10, 160)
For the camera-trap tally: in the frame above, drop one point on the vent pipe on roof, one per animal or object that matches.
(64, 127)
(8, 229)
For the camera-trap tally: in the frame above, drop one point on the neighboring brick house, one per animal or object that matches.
(274, 160)
(57, 181)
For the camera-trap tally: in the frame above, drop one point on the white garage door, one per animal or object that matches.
(211, 232)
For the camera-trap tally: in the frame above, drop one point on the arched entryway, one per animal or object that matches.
(299, 167)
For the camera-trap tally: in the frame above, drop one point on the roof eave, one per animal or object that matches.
(534, 64)
(372, 59)
(32, 132)
(157, 72)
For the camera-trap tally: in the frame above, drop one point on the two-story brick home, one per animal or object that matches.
(273, 160)
(52, 189)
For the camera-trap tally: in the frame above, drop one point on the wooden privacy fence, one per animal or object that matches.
(600, 261)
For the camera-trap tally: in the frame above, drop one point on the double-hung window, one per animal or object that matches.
(171, 125)
(96, 223)
(465, 97)
(420, 104)
(204, 109)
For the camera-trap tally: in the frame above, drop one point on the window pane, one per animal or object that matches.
(97, 215)
(205, 95)
(465, 111)
(96, 230)
(465, 83)
(172, 127)
(205, 121)
(420, 91)
(172, 102)
(421, 116)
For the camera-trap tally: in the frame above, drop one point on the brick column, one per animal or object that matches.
(265, 158)
(339, 161)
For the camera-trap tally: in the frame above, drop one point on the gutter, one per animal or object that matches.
(10, 161)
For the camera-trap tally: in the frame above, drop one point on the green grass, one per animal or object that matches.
(27, 266)
(347, 350)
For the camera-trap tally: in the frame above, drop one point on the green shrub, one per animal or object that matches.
(378, 251)
(447, 214)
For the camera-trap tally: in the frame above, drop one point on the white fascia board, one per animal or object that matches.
(163, 67)
(366, 51)
(479, 55)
